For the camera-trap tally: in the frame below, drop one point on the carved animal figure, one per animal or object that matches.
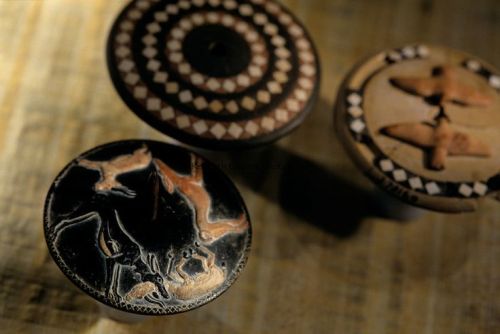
(122, 164)
(118, 247)
(186, 287)
(192, 188)
(442, 87)
(441, 138)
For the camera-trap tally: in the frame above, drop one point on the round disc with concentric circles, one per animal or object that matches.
(219, 74)
(147, 227)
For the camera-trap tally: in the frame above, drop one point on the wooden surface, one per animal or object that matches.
(321, 262)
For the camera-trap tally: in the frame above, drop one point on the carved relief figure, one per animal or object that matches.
(443, 87)
(115, 243)
(121, 249)
(122, 164)
(440, 137)
(185, 286)
(192, 187)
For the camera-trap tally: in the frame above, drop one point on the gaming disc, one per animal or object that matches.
(218, 74)
(146, 227)
(423, 123)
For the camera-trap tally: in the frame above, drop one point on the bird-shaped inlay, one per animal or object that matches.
(441, 138)
(443, 86)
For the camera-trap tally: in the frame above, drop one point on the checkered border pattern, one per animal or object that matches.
(358, 128)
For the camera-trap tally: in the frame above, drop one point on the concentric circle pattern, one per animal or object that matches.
(214, 73)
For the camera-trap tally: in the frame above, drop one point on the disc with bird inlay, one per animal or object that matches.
(147, 227)
(424, 123)
(218, 74)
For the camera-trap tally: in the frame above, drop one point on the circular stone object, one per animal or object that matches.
(147, 227)
(423, 122)
(220, 74)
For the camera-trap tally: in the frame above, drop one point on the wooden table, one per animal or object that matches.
(321, 263)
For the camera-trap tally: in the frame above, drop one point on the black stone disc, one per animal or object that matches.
(219, 74)
(147, 227)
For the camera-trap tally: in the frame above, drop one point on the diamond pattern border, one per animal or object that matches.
(358, 128)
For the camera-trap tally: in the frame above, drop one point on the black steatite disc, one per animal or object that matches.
(147, 227)
(219, 74)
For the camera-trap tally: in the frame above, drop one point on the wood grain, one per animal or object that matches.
(321, 262)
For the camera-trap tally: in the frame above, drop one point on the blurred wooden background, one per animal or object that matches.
(321, 263)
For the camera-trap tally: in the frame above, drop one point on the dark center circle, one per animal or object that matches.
(216, 51)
